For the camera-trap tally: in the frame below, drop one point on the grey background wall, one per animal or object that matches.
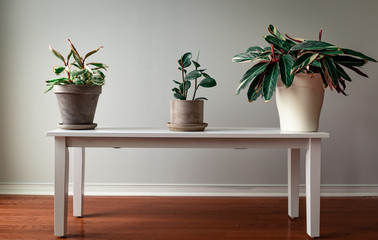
(142, 41)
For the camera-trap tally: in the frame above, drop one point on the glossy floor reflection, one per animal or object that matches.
(137, 218)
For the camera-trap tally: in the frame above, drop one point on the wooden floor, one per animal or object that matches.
(184, 218)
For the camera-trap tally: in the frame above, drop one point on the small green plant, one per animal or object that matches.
(181, 92)
(77, 72)
(287, 56)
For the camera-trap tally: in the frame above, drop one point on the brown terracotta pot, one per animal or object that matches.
(186, 115)
(77, 104)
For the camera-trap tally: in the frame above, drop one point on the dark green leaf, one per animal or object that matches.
(57, 54)
(184, 61)
(356, 70)
(342, 73)
(193, 75)
(286, 63)
(270, 81)
(330, 69)
(316, 63)
(278, 43)
(201, 98)
(358, 54)
(275, 32)
(314, 45)
(92, 52)
(58, 70)
(176, 90)
(350, 61)
(196, 64)
(333, 52)
(255, 49)
(303, 61)
(179, 96)
(187, 86)
(251, 74)
(208, 83)
(254, 89)
(176, 82)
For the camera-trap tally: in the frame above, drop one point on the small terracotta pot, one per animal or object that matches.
(77, 104)
(299, 105)
(186, 115)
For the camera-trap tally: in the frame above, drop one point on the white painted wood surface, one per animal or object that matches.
(211, 138)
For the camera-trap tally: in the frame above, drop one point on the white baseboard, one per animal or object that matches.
(259, 190)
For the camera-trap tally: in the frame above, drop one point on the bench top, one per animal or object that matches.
(210, 132)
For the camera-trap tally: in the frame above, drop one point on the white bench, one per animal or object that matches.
(211, 138)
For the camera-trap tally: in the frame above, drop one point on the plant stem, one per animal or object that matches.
(183, 79)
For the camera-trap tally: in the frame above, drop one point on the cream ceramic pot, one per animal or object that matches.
(299, 106)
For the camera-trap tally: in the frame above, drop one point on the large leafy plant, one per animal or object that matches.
(77, 72)
(287, 56)
(181, 92)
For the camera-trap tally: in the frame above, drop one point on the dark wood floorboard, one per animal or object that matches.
(187, 218)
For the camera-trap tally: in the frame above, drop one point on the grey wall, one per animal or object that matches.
(142, 41)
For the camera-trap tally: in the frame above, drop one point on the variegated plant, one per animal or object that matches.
(287, 56)
(77, 72)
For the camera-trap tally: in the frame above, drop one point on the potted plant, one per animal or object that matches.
(187, 114)
(300, 70)
(78, 91)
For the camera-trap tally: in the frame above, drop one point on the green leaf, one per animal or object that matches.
(316, 63)
(184, 61)
(99, 65)
(255, 49)
(303, 61)
(57, 54)
(314, 45)
(196, 64)
(208, 83)
(286, 63)
(176, 90)
(253, 93)
(245, 57)
(278, 43)
(179, 96)
(350, 61)
(59, 70)
(76, 54)
(270, 81)
(342, 73)
(193, 75)
(330, 69)
(78, 72)
(275, 32)
(92, 52)
(357, 54)
(57, 80)
(176, 82)
(69, 56)
(187, 86)
(201, 98)
(98, 81)
(250, 74)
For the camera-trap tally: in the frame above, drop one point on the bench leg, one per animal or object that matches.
(61, 187)
(313, 159)
(78, 180)
(293, 182)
